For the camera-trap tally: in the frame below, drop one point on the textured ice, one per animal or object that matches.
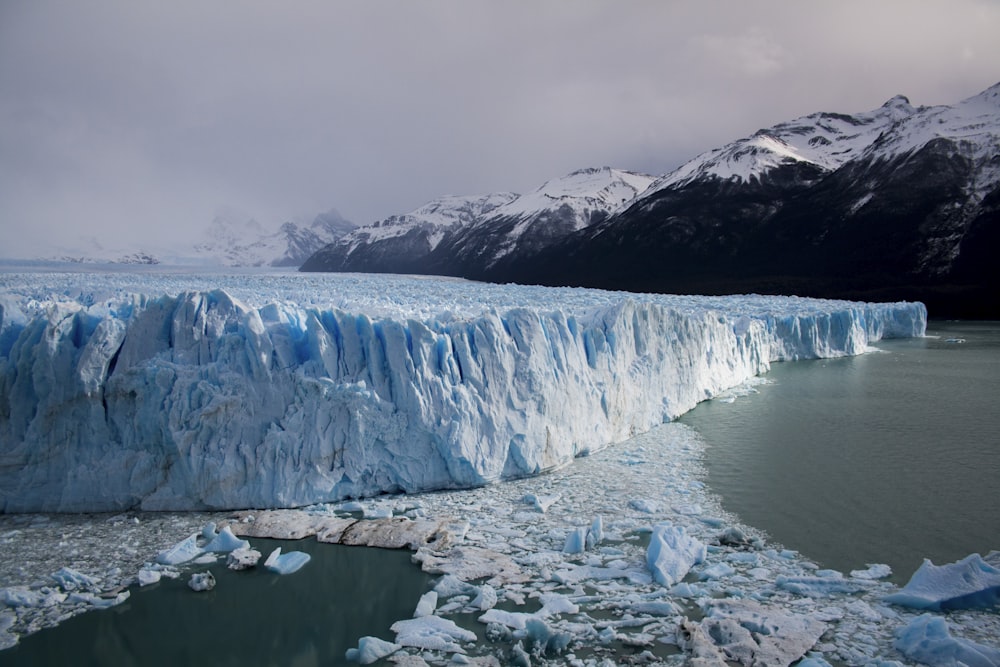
(180, 392)
(968, 583)
(432, 633)
(927, 640)
(371, 649)
(672, 552)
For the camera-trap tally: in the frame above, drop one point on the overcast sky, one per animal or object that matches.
(136, 122)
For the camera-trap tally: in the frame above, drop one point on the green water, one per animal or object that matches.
(255, 617)
(889, 457)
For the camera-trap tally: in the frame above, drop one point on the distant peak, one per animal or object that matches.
(897, 101)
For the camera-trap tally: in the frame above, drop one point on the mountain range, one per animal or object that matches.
(232, 239)
(901, 202)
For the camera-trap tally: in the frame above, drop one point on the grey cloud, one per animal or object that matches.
(132, 120)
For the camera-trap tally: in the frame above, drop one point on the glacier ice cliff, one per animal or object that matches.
(152, 397)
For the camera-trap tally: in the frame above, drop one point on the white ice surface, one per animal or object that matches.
(171, 391)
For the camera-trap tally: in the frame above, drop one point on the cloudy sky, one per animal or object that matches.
(137, 122)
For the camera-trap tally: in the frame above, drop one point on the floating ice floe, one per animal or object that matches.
(371, 649)
(966, 584)
(201, 581)
(432, 633)
(288, 563)
(243, 558)
(927, 639)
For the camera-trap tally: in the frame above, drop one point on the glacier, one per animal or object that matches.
(168, 391)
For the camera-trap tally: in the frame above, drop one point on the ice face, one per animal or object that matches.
(204, 399)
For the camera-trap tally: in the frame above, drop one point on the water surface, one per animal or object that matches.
(888, 457)
(308, 618)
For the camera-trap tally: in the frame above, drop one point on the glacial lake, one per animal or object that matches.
(888, 457)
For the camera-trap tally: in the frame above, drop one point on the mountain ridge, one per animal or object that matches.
(900, 202)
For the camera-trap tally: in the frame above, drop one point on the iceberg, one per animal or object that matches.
(966, 584)
(927, 640)
(180, 393)
(672, 552)
(289, 563)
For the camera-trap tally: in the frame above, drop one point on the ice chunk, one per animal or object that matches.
(371, 649)
(821, 586)
(201, 581)
(71, 580)
(288, 563)
(672, 553)
(149, 576)
(576, 541)
(966, 584)
(876, 571)
(185, 550)
(224, 541)
(926, 639)
(449, 586)
(432, 633)
(644, 505)
(22, 596)
(485, 599)
(243, 558)
(596, 533)
(426, 604)
(541, 503)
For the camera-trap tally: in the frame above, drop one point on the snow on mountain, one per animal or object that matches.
(235, 240)
(435, 219)
(562, 206)
(826, 140)
(830, 140)
(179, 392)
(451, 234)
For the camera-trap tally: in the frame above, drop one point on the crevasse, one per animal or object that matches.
(198, 400)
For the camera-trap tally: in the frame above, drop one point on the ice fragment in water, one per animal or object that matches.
(185, 550)
(926, 639)
(966, 584)
(224, 541)
(286, 563)
(201, 581)
(371, 649)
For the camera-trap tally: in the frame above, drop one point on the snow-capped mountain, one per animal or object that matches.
(403, 243)
(233, 240)
(899, 202)
(450, 233)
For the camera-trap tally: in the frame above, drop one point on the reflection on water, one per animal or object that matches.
(255, 617)
(889, 457)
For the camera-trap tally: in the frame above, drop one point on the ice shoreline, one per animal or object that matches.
(619, 610)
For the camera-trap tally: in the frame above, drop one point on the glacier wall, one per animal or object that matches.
(199, 400)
